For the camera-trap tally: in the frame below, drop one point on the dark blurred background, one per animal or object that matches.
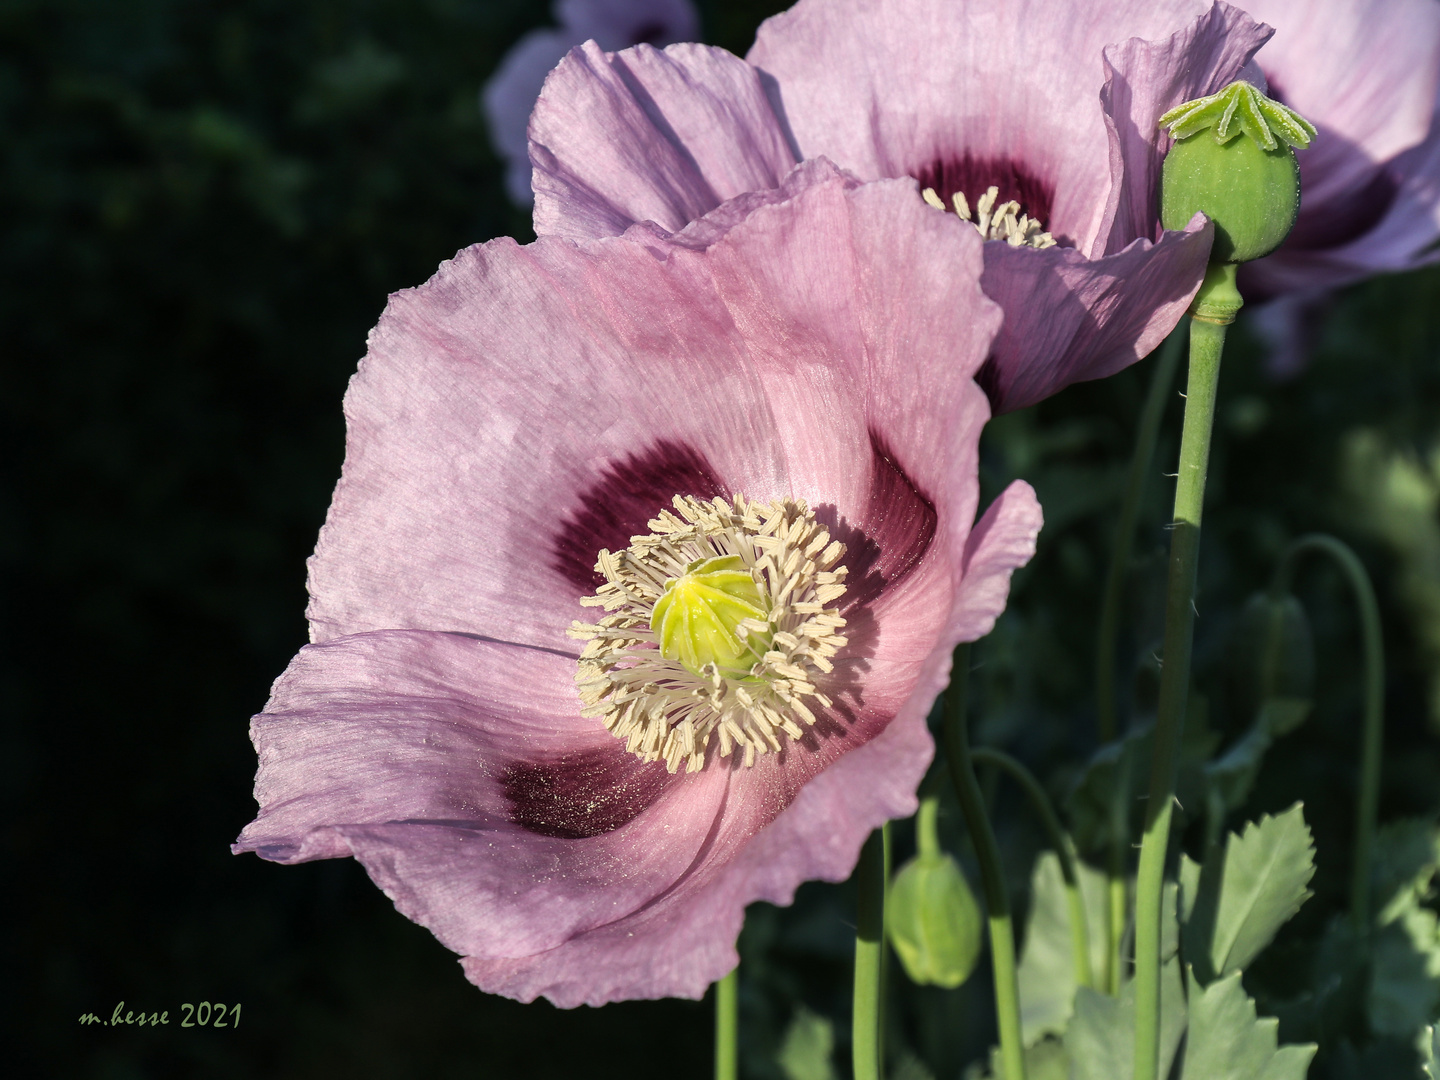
(205, 206)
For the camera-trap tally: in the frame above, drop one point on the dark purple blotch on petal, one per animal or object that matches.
(888, 543)
(583, 794)
(974, 176)
(621, 503)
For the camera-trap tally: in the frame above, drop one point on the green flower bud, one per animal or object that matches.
(933, 919)
(1271, 654)
(1242, 175)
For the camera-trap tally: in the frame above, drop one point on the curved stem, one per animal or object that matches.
(1064, 850)
(872, 877)
(1373, 736)
(1207, 342)
(997, 902)
(927, 833)
(1167, 360)
(727, 1027)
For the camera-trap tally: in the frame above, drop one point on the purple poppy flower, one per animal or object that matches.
(1039, 118)
(777, 404)
(1365, 73)
(614, 24)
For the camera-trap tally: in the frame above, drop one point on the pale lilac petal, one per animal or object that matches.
(1145, 79)
(1364, 72)
(402, 749)
(1403, 238)
(812, 302)
(452, 415)
(1288, 326)
(1068, 318)
(646, 135)
(508, 98)
(819, 835)
(684, 941)
(618, 24)
(891, 87)
(447, 417)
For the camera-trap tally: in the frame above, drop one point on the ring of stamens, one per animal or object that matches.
(1003, 222)
(668, 712)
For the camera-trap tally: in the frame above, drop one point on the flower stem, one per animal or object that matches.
(1214, 309)
(1168, 359)
(997, 901)
(1373, 736)
(1040, 802)
(872, 877)
(727, 1027)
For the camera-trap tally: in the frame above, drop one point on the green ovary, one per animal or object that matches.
(698, 617)
(1251, 193)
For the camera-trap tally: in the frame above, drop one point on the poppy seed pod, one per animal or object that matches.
(1233, 161)
(1271, 651)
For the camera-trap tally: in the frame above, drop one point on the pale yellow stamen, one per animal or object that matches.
(668, 711)
(1003, 222)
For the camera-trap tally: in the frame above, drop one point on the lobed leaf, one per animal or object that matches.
(1226, 1040)
(1241, 897)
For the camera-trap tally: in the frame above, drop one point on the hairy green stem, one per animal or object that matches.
(1372, 738)
(997, 900)
(927, 832)
(1064, 850)
(872, 878)
(1207, 343)
(727, 1027)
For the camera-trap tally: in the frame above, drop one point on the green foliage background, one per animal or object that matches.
(204, 207)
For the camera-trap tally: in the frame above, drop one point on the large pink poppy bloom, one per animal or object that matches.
(510, 93)
(1054, 104)
(531, 407)
(1365, 73)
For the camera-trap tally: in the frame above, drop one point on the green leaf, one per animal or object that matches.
(1404, 990)
(1047, 970)
(809, 1042)
(1282, 715)
(1429, 1047)
(1226, 1041)
(911, 1067)
(1046, 1060)
(1244, 895)
(1405, 974)
(1405, 859)
(1101, 1036)
(1232, 775)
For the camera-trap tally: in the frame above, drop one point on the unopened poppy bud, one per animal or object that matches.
(932, 916)
(1233, 161)
(1272, 651)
